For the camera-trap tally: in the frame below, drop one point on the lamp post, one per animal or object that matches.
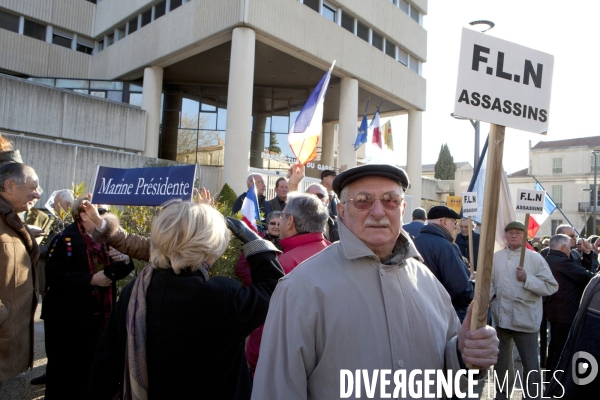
(595, 199)
(484, 26)
(475, 124)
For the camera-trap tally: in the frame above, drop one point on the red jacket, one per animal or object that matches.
(296, 249)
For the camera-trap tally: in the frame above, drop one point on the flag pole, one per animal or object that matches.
(367, 107)
(557, 207)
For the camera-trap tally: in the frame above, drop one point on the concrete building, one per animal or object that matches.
(178, 79)
(565, 168)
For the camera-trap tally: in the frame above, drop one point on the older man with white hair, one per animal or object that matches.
(331, 229)
(364, 303)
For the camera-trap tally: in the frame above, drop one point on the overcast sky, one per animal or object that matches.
(569, 31)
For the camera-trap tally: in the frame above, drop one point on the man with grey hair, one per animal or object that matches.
(363, 303)
(261, 187)
(331, 229)
(587, 259)
(19, 191)
(562, 306)
(301, 227)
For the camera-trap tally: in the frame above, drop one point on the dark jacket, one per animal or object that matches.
(275, 204)
(444, 260)
(572, 279)
(196, 331)
(463, 245)
(583, 338)
(73, 319)
(414, 228)
(585, 260)
(263, 205)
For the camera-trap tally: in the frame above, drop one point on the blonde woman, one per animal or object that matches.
(175, 333)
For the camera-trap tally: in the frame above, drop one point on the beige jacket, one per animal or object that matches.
(343, 309)
(517, 305)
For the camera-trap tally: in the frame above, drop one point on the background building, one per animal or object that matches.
(565, 168)
(214, 82)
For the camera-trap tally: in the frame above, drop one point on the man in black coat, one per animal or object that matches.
(562, 306)
(261, 187)
(442, 257)
(587, 255)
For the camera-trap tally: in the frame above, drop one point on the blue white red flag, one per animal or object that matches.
(361, 138)
(536, 220)
(376, 138)
(304, 134)
(250, 211)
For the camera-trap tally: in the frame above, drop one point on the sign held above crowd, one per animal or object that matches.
(530, 201)
(503, 83)
(143, 186)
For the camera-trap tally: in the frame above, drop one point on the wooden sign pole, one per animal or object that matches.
(493, 177)
(524, 243)
(471, 261)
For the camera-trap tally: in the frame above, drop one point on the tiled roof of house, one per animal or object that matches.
(592, 141)
(522, 172)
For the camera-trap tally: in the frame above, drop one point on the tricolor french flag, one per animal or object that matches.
(304, 134)
(536, 220)
(250, 211)
(376, 138)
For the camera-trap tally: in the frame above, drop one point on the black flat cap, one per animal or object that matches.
(387, 171)
(442, 212)
(326, 173)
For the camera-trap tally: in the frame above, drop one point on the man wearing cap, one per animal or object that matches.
(363, 303)
(516, 296)
(443, 258)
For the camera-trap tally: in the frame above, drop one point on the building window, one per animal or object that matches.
(61, 40)
(555, 224)
(133, 25)
(414, 14)
(34, 30)
(377, 41)
(100, 45)
(146, 17)
(175, 4)
(592, 163)
(10, 22)
(313, 4)
(413, 64)
(122, 32)
(557, 195)
(110, 39)
(390, 49)
(403, 4)
(330, 12)
(362, 31)
(402, 56)
(347, 22)
(557, 166)
(160, 9)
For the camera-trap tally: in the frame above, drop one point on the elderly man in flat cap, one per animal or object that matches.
(364, 303)
(516, 294)
(443, 258)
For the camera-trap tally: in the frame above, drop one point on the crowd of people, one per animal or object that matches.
(334, 283)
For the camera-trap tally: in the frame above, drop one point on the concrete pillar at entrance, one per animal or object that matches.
(151, 94)
(327, 148)
(348, 117)
(258, 140)
(414, 167)
(170, 129)
(239, 109)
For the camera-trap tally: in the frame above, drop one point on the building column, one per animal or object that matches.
(239, 109)
(258, 140)
(151, 96)
(348, 125)
(328, 142)
(414, 167)
(170, 127)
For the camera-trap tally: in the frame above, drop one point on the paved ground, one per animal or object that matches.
(20, 389)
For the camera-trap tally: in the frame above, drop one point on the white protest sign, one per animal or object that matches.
(503, 83)
(530, 201)
(469, 204)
